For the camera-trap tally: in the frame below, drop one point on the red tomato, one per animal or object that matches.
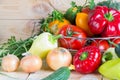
(116, 41)
(102, 44)
(86, 10)
(73, 37)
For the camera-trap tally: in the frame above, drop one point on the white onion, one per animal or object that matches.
(10, 63)
(31, 63)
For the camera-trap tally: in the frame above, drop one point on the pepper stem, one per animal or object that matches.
(109, 16)
(83, 56)
(71, 67)
(107, 56)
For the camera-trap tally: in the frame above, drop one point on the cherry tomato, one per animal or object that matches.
(86, 9)
(73, 37)
(116, 41)
(102, 44)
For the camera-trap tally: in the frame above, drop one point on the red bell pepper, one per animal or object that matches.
(87, 59)
(104, 21)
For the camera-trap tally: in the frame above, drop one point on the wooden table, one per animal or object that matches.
(17, 18)
(20, 75)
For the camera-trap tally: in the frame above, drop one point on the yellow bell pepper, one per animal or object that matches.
(56, 25)
(82, 22)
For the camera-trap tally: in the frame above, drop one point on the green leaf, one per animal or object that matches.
(12, 46)
(73, 4)
(55, 15)
(110, 4)
(104, 3)
(91, 4)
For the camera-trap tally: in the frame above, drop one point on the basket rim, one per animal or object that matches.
(104, 38)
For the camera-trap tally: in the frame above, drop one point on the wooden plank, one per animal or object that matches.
(17, 17)
(78, 76)
(18, 75)
(74, 75)
(45, 71)
(24, 9)
(19, 28)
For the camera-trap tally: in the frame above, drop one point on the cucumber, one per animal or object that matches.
(62, 73)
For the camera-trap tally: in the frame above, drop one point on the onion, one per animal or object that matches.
(10, 63)
(59, 57)
(31, 63)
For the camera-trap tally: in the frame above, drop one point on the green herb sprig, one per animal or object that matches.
(55, 15)
(110, 3)
(12, 46)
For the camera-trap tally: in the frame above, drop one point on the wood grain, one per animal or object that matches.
(73, 76)
(22, 29)
(18, 75)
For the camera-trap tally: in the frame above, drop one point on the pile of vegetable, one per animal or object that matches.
(91, 30)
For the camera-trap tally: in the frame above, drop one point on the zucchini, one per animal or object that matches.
(62, 73)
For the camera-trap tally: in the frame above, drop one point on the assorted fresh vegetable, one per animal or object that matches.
(91, 31)
(104, 21)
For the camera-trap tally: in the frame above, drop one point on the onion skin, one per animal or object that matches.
(31, 63)
(59, 57)
(10, 63)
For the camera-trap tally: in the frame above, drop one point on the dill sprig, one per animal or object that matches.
(12, 46)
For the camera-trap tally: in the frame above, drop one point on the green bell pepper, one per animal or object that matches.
(111, 69)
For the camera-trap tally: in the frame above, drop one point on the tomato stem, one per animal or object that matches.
(83, 56)
(113, 43)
